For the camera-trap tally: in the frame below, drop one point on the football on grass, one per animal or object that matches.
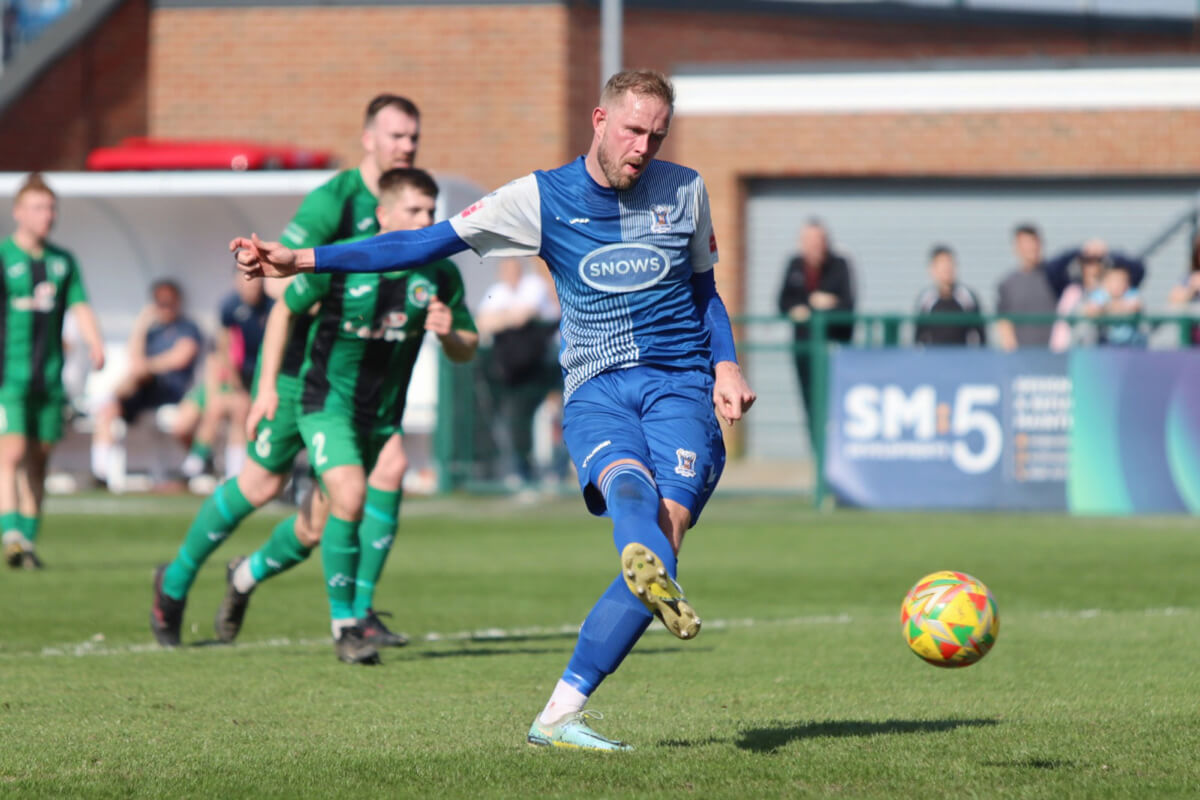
(949, 619)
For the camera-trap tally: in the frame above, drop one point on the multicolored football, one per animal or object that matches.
(949, 619)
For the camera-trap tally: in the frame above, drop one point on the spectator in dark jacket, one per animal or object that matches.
(816, 280)
(947, 296)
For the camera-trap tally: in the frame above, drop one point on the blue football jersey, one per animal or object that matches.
(622, 261)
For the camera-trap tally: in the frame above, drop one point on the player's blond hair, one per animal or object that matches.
(642, 82)
(34, 183)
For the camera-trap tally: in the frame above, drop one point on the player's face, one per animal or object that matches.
(34, 214)
(631, 131)
(405, 210)
(392, 139)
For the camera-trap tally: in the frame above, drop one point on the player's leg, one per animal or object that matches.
(261, 478)
(237, 408)
(13, 446)
(376, 534)
(335, 452)
(193, 429)
(291, 543)
(31, 492)
(603, 435)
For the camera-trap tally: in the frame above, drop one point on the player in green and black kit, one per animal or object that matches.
(362, 345)
(40, 282)
(342, 208)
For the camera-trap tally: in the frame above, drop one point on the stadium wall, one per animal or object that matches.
(506, 88)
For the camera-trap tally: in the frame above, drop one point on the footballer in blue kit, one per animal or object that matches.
(647, 352)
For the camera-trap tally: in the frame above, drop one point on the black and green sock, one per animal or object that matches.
(29, 526)
(376, 533)
(220, 514)
(280, 553)
(339, 558)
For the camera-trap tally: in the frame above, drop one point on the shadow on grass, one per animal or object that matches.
(768, 740)
(467, 652)
(1033, 763)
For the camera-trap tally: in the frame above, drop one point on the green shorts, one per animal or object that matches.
(333, 441)
(198, 394)
(277, 441)
(35, 416)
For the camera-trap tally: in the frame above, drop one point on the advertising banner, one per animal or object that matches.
(1135, 442)
(1099, 431)
(948, 428)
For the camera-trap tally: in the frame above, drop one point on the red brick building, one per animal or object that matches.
(506, 87)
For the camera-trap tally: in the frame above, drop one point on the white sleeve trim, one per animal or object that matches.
(703, 247)
(508, 222)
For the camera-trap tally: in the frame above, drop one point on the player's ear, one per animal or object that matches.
(381, 216)
(599, 118)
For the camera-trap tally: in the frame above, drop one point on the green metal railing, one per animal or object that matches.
(886, 330)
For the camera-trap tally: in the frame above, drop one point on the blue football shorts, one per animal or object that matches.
(663, 418)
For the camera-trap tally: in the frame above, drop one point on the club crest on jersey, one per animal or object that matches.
(661, 223)
(687, 463)
(419, 292)
(624, 267)
(56, 266)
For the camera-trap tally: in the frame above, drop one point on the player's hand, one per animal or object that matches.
(257, 259)
(437, 317)
(96, 354)
(266, 402)
(732, 396)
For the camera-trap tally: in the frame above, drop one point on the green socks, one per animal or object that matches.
(339, 558)
(376, 533)
(11, 521)
(29, 526)
(221, 513)
(281, 552)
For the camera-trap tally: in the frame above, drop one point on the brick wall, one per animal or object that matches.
(507, 89)
(488, 79)
(93, 96)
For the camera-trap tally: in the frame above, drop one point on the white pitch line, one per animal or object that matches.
(96, 645)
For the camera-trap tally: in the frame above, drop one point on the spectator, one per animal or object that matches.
(224, 393)
(1185, 298)
(1026, 290)
(163, 349)
(1037, 285)
(816, 280)
(947, 296)
(1075, 296)
(520, 315)
(1116, 297)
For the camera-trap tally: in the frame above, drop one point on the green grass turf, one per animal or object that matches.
(806, 689)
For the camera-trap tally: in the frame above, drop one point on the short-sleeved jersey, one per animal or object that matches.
(341, 208)
(36, 293)
(247, 325)
(366, 337)
(622, 261)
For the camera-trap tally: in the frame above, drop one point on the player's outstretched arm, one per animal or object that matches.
(388, 252)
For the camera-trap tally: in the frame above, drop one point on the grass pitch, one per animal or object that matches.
(799, 685)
